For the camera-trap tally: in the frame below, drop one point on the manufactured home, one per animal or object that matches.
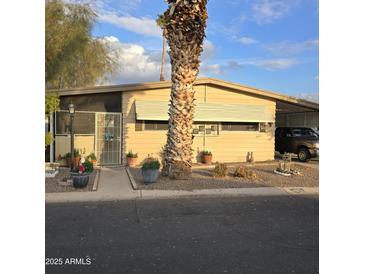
(231, 120)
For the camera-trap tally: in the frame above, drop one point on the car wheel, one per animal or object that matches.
(303, 154)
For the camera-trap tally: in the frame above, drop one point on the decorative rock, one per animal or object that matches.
(50, 173)
(65, 183)
(282, 173)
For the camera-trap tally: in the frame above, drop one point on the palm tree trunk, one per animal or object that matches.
(185, 26)
(162, 74)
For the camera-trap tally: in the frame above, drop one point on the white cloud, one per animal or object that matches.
(230, 30)
(140, 25)
(267, 11)
(135, 63)
(317, 77)
(232, 64)
(209, 50)
(268, 64)
(122, 6)
(275, 64)
(210, 68)
(288, 48)
(110, 39)
(247, 40)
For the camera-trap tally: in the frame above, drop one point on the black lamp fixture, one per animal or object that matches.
(71, 110)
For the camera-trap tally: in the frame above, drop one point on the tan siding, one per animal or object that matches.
(83, 143)
(224, 95)
(234, 146)
(62, 145)
(141, 142)
(227, 147)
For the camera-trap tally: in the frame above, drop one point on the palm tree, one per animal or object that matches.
(161, 23)
(185, 22)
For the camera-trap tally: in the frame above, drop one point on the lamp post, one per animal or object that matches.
(71, 110)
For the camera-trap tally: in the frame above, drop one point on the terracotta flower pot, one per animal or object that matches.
(76, 161)
(132, 161)
(68, 161)
(207, 159)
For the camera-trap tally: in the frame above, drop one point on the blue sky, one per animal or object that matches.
(268, 44)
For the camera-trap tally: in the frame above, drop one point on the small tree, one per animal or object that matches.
(73, 57)
(52, 103)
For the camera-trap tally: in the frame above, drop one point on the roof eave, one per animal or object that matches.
(200, 81)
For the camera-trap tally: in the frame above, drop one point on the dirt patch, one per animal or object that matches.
(202, 178)
(57, 183)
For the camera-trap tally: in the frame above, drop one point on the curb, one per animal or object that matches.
(230, 192)
(173, 194)
(96, 181)
(131, 179)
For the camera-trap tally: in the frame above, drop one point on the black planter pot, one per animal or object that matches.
(79, 180)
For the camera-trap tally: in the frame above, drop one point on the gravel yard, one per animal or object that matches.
(58, 184)
(202, 178)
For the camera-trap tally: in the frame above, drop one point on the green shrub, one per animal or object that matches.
(76, 154)
(48, 139)
(245, 172)
(220, 170)
(206, 152)
(91, 156)
(151, 163)
(130, 154)
(89, 167)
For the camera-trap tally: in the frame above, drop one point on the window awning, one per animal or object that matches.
(206, 112)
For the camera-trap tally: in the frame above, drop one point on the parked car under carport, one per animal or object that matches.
(299, 140)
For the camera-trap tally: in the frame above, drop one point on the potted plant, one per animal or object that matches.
(80, 176)
(75, 160)
(92, 158)
(89, 166)
(132, 158)
(150, 170)
(67, 157)
(207, 157)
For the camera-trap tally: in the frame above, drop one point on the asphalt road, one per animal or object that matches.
(206, 235)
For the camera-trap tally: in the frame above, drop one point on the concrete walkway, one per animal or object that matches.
(114, 184)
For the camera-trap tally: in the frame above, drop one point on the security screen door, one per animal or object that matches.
(107, 138)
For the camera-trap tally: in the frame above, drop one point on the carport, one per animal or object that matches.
(297, 113)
